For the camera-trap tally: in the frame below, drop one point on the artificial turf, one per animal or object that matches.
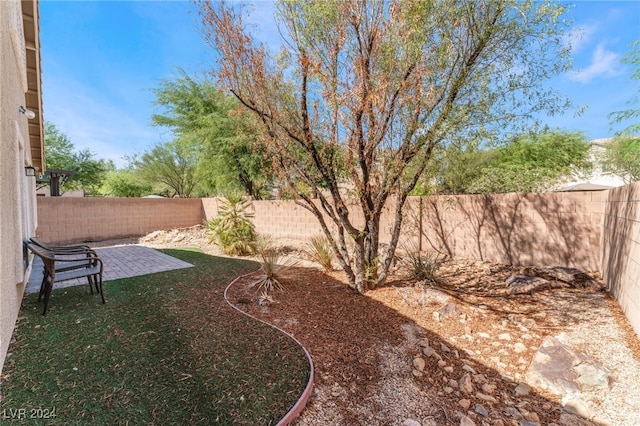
(165, 349)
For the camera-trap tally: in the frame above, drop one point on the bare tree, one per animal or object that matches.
(364, 91)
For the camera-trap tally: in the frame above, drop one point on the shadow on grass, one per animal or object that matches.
(165, 349)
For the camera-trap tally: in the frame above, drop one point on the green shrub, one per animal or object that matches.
(232, 228)
(319, 250)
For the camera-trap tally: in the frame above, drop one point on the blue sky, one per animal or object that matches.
(100, 60)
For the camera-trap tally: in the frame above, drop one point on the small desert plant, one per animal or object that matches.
(232, 229)
(269, 275)
(371, 270)
(422, 265)
(319, 250)
(271, 266)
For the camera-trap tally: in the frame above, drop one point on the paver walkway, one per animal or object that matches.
(119, 262)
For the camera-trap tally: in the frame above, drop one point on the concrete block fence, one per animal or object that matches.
(593, 231)
(71, 219)
(621, 249)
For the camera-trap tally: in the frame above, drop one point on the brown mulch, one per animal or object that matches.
(349, 337)
(364, 347)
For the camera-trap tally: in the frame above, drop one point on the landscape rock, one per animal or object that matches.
(532, 417)
(471, 370)
(568, 419)
(466, 384)
(464, 403)
(428, 351)
(466, 421)
(527, 423)
(481, 410)
(444, 348)
(562, 370)
(479, 378)
(512, 412)
(487, 398)
(519, 347)
(522, 389)
(579, 407)
(520, 284)
(572, 276)
(419, 363)
(488, 388)
(449, 310)
(411, 422)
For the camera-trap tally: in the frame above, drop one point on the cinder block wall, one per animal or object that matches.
(286, 219)
(277, 218)
(63, 220)
(621, 249)
(544, 229)
(529, 229)
(588, 230)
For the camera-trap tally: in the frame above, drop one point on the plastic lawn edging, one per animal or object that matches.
(306, 393)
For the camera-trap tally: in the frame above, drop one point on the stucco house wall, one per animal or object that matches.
(17, 191)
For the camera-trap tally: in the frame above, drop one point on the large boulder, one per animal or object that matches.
(563, 370)
(520, 284)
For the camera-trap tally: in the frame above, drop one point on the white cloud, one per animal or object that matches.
(603, 63)
(578, 37)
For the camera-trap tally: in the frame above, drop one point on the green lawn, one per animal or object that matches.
(165, 349)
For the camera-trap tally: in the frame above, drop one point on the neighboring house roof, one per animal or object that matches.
(584, 187)
(31, 24)
(601, 142)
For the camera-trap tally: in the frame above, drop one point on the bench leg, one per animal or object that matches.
(47, 295)
(42, 285)
(99, 287)
(91, 283)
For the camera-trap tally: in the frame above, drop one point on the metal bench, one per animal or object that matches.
(72, 248)
(64, 266)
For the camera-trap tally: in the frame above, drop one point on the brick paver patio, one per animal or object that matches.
(119, 262)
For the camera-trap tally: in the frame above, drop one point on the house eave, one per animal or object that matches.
(33, 97)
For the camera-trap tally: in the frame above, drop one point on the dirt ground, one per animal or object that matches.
(454, 351)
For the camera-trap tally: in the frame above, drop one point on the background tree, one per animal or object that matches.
(125, 183)
(61, 155)
(533, 162)
(522, 163)
(386, 83)
(172, 165)
(622, 158)
(633, 59)
(229, 157)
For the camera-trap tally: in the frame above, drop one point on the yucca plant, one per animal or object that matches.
(319, 250)
(271, 266)
(269, 275)
(232, 228)
(422, 265)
